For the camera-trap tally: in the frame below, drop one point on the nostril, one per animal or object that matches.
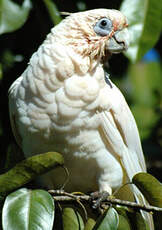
(122, 38)
(122, 43)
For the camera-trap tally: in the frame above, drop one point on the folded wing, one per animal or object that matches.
(119, 130)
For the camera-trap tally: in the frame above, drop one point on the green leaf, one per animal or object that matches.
(13, 16)
(53, 11)
(72, 220)
(137, 221)
(145, 23)
(146, 119)
(108, 221)
(150, 187)
(130, 220)
(123, 223)
(145, 78)
(28, 169)
(89, 224)
(28, 210)
(145, 74)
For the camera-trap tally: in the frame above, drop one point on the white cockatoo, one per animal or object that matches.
(65, 102)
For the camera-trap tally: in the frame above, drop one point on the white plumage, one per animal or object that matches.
(62, 103)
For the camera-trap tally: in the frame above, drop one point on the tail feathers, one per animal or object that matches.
(132, 167)
(141, 200)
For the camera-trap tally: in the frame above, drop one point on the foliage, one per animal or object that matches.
(146, 181)
(28, 169)
(53, 11)
(71, 219)
(108, 221)
(146, 106)
(144, 19)
(12, 16)
(28, 209)
(35, 209)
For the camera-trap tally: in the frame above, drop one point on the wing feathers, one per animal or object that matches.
(121, 133)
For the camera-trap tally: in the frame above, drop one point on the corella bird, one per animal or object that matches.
(65, 102)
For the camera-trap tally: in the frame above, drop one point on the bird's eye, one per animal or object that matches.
(103, 27)
(103, 23)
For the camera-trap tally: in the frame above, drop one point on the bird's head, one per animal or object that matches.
(96, 32)
(92, 36)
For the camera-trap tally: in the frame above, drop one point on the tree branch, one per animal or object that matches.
(62, 196)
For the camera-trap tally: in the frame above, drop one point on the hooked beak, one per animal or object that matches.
(118, 42)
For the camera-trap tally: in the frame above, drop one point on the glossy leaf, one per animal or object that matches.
(89, 224)
(137, 221)
(145, 23)
(28, 169)
(150, 187)
(108, 221)
(123, 223)
(130, 220)
(72, 220)
(28, 210)
(13, 16)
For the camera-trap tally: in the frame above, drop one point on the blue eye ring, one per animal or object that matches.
(103, 27)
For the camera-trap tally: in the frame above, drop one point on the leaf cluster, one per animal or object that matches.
(36, 209)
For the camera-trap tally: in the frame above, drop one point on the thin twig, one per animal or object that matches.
(62, 196)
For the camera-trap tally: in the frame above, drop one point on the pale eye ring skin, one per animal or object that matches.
(103, 27)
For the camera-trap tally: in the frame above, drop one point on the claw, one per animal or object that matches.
(98, 198)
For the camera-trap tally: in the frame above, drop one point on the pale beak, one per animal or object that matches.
(119, 41)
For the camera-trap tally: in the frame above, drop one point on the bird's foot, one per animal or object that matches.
(97, 198)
